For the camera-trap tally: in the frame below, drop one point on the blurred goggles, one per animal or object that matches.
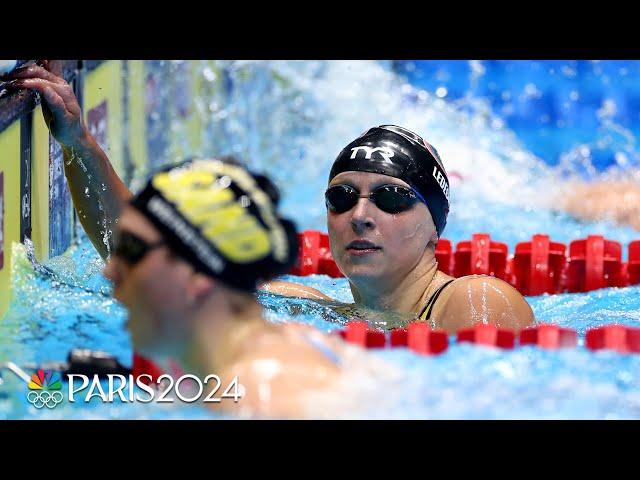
(131, 248)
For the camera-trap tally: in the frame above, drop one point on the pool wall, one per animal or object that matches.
(126, 108)
(29, 188)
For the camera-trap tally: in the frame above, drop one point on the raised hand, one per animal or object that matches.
(59, 104)
(86, 165)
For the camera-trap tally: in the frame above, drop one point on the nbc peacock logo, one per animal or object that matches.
(44, 389)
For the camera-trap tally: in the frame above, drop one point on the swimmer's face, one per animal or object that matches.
(398, 241)
(155, 290)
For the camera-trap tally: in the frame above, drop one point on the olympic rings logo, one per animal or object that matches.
(44, 399)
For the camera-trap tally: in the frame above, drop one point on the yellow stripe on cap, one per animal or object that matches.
(198, 190)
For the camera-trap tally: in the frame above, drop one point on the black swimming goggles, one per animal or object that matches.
(131, 249)
(388, 198)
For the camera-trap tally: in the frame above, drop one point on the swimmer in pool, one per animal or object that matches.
(190, 250)
(618, 201)
(387, 204)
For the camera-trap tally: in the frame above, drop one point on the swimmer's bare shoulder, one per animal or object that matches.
(290, 289)
(279, 370)
(482, 299)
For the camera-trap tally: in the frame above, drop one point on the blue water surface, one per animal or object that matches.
(49, 317)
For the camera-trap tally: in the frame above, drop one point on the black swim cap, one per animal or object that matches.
(222, 219)
(400, 153)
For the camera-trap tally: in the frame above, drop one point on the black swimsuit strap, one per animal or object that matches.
(428, 308)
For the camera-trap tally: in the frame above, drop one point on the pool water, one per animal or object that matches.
(52, 313)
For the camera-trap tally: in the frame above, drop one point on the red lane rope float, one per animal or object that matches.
(549, 337)
(399, 337)
(426, 341)
(422, 339)
(444, 256)
(594, 263)
(483, 334)
(308, 253)
(481, 256)
(142, 365)
(633, 339)
(538, 266)
(417, 337)
(359, 333)
(620, 338)
(633, 268)
(326, 264)
(314, 255)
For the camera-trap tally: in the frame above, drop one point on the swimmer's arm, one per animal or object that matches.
(618, 201)
(98, 193)
(485, 300)
(290, 289)
(113, 196)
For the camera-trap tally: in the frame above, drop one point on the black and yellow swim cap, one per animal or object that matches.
(400, 153)
(222, 219)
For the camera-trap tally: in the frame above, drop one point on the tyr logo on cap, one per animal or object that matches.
(385, 152)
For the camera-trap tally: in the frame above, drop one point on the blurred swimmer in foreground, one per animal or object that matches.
(387, 205)
(189, 251)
